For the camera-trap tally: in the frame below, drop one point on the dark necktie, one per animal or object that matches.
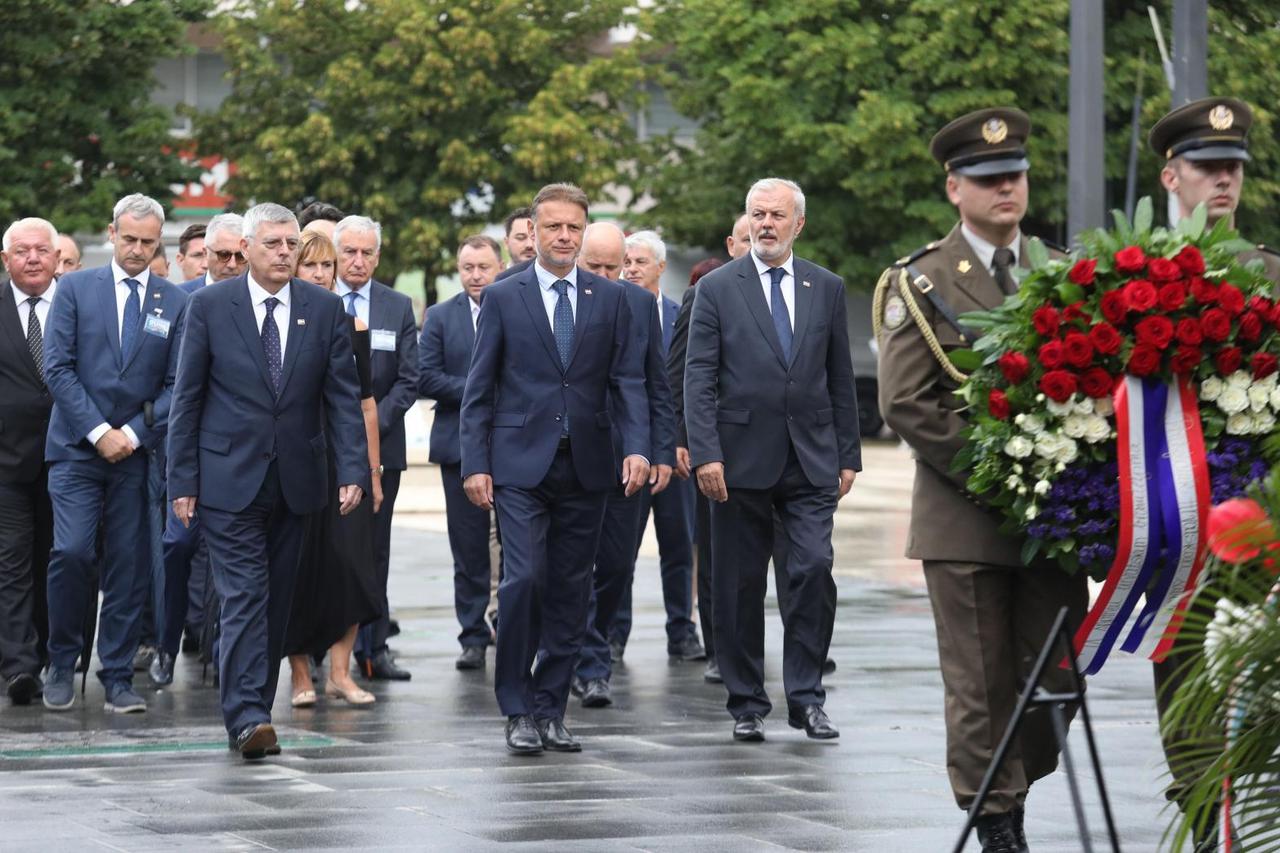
(778, 308)
(35, 339)
(351, 303)
(562, 326)
(271, 341)
(132, 318)
(1001, 262)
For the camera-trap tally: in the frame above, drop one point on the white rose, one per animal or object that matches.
(1012, 483)
(1031, 513)
(1275, 398)
(1017, 469)
(1210, 389)
(1233, 399)
(1104, 407)
(1083, 405)
(1019, 447)
(1068, 450)
(1240, 424)
(1258, 397)
(1268, 381)
(1033, 424)
(1097, 430)
(1022, 490)
(1239, 379)
(1264, 423)
(1047, 445)
(1043, 487)
(1075, 424)
(1057, 409)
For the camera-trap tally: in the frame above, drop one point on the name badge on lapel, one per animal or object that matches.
(383, 340)
(157, 326)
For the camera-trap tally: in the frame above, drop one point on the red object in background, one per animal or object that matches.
(1239, 529)
(205, 196)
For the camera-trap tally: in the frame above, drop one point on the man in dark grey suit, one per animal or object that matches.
(772, 423)
(393, 335)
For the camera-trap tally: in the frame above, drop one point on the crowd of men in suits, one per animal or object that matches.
(162, 447)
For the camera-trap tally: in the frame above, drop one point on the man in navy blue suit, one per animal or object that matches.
(266, 381)
(393, 336)
(444, 357)
(772, 421)
(554, 367)
(110, 354)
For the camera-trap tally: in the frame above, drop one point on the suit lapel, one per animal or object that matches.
(749, 284)
(106, 293)
(586, 301)
(970, 276)
(247, 325)
(464, 322)
(531, 292)
(668, 323)
(16, 334)
(803, 302)
(153, 298)
(299, 315)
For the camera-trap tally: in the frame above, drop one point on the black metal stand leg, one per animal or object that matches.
(1060, 732)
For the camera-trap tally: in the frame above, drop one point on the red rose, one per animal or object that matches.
(1046, 321)
(1163, 269)
(1203, 291)
(1130, 259)
(1239, 529)
(1114, 306)
(1082, 272)
(1058, 385)
(1250, 326)
(1074, 312)
(1014, 366)
(1105, 339)
(1262, 305)
(1051, 354)
(1144, 360)
(1188, 332)
(1077, 350)
(1263, 364)
(1172, 296)
(1230, 299)
(998, 404)
(1215, 324)
(1190, 260)
(1096, 382)
(1186, 359)
(1228, 361)
(1141, 294)
(1155, 331)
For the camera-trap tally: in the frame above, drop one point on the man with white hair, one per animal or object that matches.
(26, 518)
(110, 353)
(222, 252)
(393, 336)
(773, 426)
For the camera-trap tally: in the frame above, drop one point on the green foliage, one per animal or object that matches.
(77, 128)
(432, 116)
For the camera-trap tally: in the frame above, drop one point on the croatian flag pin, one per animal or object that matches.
(301, 322)
(805, 283)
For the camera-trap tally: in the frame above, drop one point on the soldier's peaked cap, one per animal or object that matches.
(985, 142)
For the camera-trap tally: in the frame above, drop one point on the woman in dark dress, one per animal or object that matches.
(337, 587)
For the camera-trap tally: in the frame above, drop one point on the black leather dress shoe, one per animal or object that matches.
(712, 673)
(556, 737)
(271, 750)
(814, 721)
(161, 669)
(393, 627)
(23, 687)
(382, 667)
(997, 833)
(523, 737)
(828, 666)
(577, 686)
(749, 727)
(472, 657)
(687, 649)
(596, 694)
(256, 742)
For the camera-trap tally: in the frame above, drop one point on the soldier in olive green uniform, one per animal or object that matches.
(992, 613)
(1205, 146)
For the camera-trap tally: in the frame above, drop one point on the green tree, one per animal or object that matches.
(431, 116)
(77, 128)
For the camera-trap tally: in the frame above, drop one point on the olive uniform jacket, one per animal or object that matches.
(918, 402)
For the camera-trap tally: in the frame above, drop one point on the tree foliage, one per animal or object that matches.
(77, 128)
(431, 116)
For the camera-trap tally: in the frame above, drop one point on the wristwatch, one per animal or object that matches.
(377, 470)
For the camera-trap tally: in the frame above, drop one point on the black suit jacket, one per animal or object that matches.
(395, 371)
(675, 365)
(25, 402)
(444, 356)
(744, 402)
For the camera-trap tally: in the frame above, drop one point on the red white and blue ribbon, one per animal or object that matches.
(1164, 503)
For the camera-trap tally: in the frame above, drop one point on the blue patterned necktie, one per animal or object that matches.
(778, 308)
(351, 303)
(562, 328)
(271, 341)
(132, 318)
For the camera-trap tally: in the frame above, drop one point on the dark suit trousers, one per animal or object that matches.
(549, 539)
(615, 566)
(26, 535)
(253, 558)
(180, 545)
(702, 547)
(992, 622)
(157, 510)
(83, 492)
(743, 539)
(373, 636)
(469, 542)
(672, 522)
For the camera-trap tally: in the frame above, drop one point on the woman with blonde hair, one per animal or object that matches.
(337, 586)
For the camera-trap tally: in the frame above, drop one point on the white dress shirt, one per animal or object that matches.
(546, 282)
(985, 251)
(258, 296)
(475, 314)
(362, 299)
(788, 285)
(42, 307)
(122, 295)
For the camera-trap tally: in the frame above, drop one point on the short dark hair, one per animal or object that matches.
(192, 232)
(319, 210)
(481, 241)
(565, 192)
(518, 213)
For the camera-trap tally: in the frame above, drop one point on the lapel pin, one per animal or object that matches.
(302, 322)
(805, 283)
(155, 296)
(587, 291)
(159, 311)
(963, 267)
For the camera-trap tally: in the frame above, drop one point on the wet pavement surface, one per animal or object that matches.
(426, 768)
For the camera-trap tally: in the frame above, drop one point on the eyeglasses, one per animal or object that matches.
(223, 257)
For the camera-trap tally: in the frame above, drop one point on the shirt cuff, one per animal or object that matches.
(98, 432)
(129, 434)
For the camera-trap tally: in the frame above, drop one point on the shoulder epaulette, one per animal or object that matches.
(917, 254)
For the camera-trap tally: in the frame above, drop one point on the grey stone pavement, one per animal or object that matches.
(425, 769)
